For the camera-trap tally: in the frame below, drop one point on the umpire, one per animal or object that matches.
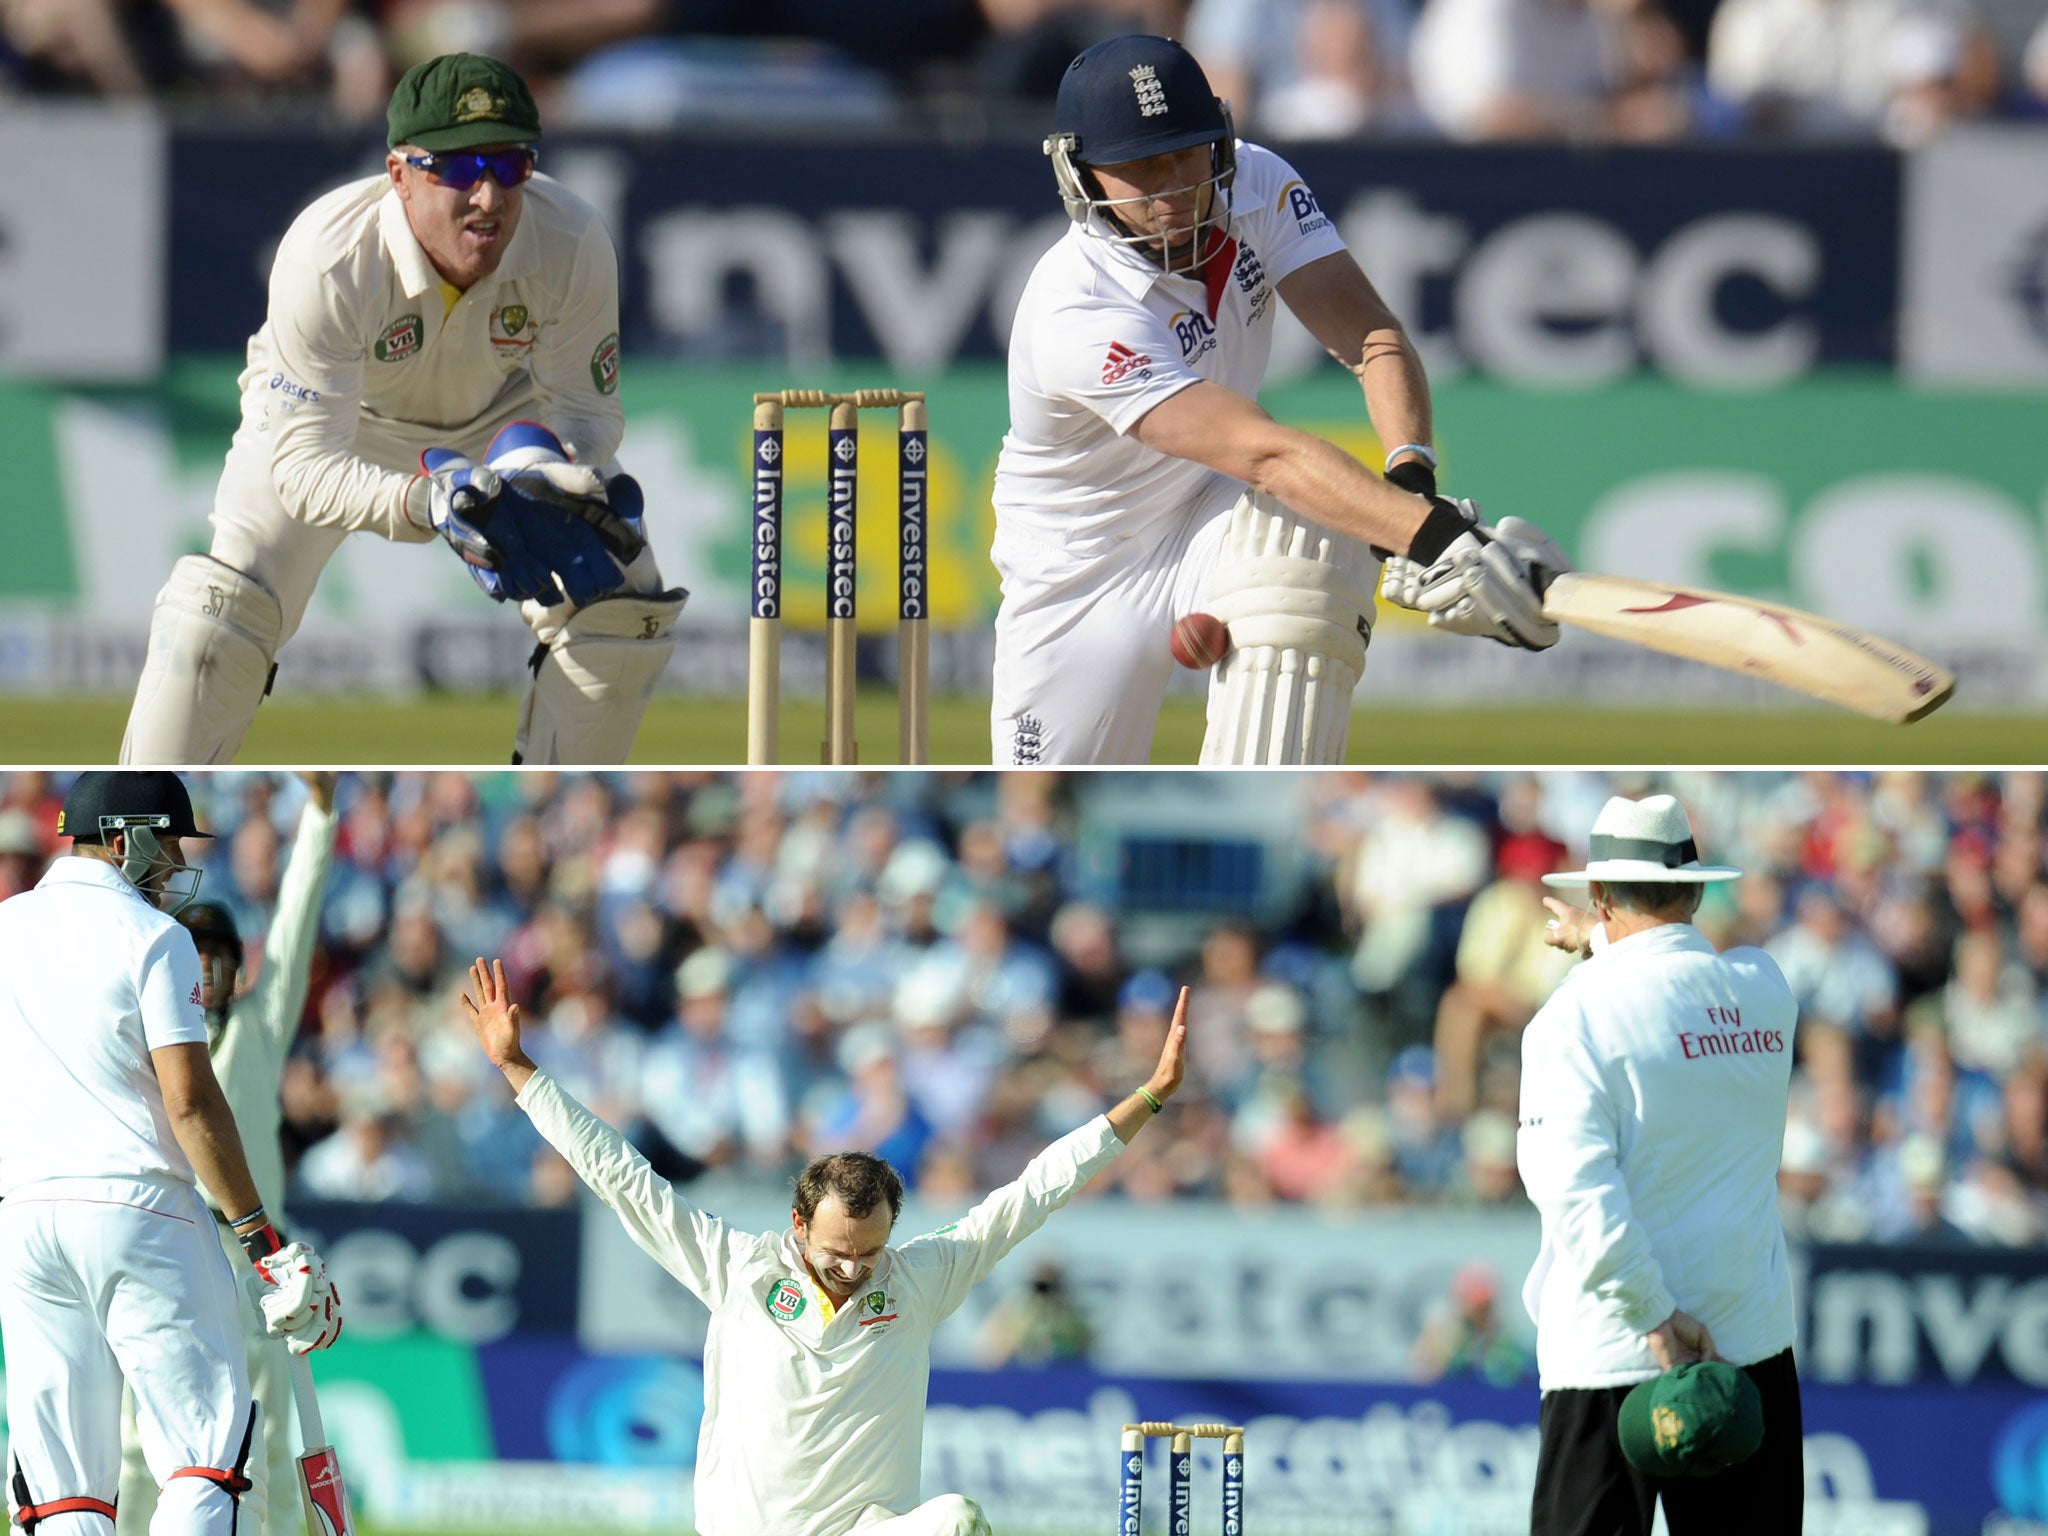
(1653, 1113)
(108, 1263)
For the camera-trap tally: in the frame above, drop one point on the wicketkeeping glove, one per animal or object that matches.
(299, 1303)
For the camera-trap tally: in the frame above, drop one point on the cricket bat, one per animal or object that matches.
(327, 1512)
(1800, 651)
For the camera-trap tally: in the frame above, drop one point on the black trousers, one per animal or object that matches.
(1585, 1486)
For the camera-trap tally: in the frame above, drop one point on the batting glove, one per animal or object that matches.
(299, 1303)
(1490, 582)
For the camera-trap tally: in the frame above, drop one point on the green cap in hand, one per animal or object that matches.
(1692, 1422)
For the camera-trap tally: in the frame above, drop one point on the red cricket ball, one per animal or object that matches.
(1199, 641)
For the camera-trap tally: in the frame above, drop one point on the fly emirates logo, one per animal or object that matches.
(1725, 1036)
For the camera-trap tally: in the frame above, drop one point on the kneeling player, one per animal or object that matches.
(430, 307)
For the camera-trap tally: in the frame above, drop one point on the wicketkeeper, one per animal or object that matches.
(440, 358)
(1140, 481)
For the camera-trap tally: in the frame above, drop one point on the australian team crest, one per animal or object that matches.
(478, 105)
(786, 1300)
(509, 326)
(873, 1302)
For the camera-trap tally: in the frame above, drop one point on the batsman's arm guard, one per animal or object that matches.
(1298, 600)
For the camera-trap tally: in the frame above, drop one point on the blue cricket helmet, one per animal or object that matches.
(1131, 97)
(1128, 99)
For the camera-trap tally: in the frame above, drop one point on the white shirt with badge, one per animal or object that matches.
(363, 362)
(813, 1415)
(1102, 335)
(93, 977)
(1654, 1083)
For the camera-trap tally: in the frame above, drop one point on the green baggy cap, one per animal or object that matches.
(1692, 1422)
(461, 100)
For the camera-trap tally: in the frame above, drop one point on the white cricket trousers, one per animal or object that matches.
(272, 1501)
(101, 1279)
(1082, 662)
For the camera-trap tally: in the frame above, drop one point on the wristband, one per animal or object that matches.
(259, 1243)
(1421, 450)
(1147, 1095)
(1444, 524)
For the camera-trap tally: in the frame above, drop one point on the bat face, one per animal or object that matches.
(1801, 651)
(326, 1498)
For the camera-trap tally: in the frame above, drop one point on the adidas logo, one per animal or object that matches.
(1121, 362)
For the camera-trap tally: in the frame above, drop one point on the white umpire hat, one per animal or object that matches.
(1643, 840)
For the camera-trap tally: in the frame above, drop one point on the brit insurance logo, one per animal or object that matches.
(1197, 337)
(786, 1300)
(1301, 204)
(401, 339)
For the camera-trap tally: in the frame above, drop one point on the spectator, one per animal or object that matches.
(1548, 69)
(710, 1102)
(370, 1156)
(1464, 1334)
(1806, 68)
(23, 854)
(1838, 975)
(1303, 69)
(1504, 972)
(1040, 1325)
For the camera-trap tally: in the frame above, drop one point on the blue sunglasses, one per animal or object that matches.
(463, 169)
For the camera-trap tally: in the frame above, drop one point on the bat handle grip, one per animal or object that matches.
(311, 1430)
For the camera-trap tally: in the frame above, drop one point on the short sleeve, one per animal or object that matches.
(1277, 210)
(172, 1013)
(1118, 361)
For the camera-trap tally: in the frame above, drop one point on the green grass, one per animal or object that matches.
(478, 729)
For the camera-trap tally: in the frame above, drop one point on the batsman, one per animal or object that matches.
(1141, 482)
(252, 1014)
(440, 360)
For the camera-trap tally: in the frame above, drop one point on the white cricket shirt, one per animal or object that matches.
(93, 977)
(362, 363)
(249, 1056)
(1101, 336)
(809, 1420)
(1653, 1116)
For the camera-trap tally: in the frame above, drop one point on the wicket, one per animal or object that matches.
(764, 627)
(1180, 1474)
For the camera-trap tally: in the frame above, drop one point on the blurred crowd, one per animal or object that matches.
(1583, 70)
(741, 971)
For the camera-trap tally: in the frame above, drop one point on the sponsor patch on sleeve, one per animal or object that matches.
(604, 365)
(1121, 362)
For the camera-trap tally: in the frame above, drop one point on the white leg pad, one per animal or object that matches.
(212, 639)
(593, 677)
(1299, 602)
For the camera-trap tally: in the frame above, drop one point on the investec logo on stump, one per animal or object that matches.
(767, 525)
(910, 527)
(839, 579)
